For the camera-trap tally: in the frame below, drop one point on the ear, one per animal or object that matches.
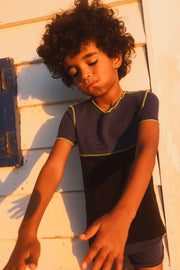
(117, 61)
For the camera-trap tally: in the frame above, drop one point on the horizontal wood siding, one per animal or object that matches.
(56, 253)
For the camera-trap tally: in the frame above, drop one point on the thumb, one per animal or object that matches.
(32, 263)
(90, 232)
(32, 266)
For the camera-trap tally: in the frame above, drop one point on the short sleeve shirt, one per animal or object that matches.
(107, 143)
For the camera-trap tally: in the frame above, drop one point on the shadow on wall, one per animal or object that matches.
(39, 125)
(56, 98)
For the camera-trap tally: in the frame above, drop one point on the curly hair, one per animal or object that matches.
(70, 29)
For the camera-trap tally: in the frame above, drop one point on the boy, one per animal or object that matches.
(117, 134)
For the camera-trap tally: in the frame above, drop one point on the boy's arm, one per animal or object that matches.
(27, 249)
(112, 229)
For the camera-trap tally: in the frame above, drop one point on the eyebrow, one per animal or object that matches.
(84, 57)
(89, 55)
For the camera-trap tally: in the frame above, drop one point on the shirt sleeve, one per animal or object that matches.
(67, 126)
(150, 108)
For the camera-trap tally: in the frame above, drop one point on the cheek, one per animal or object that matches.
(106, 67)
(107, 72)
(81, 88)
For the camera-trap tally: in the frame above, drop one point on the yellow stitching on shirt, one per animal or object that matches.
(107, 154)
(144, 100)
(149, 120)
(113, 107)
(64, 139)
(74, 115)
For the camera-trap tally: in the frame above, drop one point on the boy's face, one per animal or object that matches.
(93, 72)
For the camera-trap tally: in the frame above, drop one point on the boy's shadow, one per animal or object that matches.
(46, 135)
(19, 175)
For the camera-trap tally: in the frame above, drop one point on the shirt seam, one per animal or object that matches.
(113, 107)
(108, 154)
(58, 138)
(74, 115)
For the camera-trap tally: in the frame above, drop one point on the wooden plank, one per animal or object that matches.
(112, 3)
(36, 86)
(56, 254)
(24, 39)
(158, 192)
(70, 206)
(21, 180)
(156, 174)
(64, 254)
(39, 125)
(138, 77)
(132, 15)
(20, 10)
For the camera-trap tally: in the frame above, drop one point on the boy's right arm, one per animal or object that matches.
(27, 249)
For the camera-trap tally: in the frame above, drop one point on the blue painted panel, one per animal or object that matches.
(10, 154)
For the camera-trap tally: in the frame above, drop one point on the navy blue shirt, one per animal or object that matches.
(107, 143)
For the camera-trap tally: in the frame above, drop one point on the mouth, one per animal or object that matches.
(91, 85)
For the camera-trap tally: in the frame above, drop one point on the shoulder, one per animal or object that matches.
(81, 105)
(142, 97)
(139, 94)
(82, 108)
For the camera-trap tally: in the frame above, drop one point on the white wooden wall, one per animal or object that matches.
(42, 102)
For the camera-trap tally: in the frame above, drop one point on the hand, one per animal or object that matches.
(108, 246)
(26, 253)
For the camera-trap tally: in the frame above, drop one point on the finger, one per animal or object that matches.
(99, 260)
(32, 266)
(90, 232)
(93, 251)
(108, 263)
(119, 262)
(32, 261)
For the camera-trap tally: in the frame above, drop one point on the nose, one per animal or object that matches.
(85, 74)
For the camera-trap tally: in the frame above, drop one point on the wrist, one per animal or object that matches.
(27, 230)
(122, 211)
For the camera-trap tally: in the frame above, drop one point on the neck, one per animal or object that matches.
(108, 101)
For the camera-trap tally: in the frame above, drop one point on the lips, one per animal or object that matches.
(91, 85)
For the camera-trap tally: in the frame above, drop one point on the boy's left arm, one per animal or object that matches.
(111, 230)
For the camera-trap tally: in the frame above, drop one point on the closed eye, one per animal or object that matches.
(92, 63)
